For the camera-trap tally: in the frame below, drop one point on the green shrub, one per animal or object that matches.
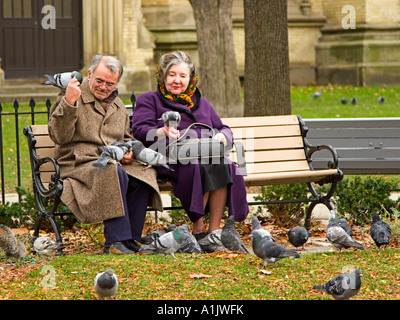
(284, 214)
(358, 198)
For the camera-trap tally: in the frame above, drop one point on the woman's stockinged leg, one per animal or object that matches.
(217, 201)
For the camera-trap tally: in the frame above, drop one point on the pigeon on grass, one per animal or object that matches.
(230, 238)
(155, 234)
(256, 225)
(344, 286)
(168, 243)
(337, 236)
(212, 242)
(269, 251)
(380, 231)
(106, 284)
(45, 246)
(190, 244)
(62, 80)
(298, 236)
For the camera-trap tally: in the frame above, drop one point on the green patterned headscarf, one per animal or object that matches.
(184, 98)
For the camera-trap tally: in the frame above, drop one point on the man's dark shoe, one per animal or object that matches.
(117, 248)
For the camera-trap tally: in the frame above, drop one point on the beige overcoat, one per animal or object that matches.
(93, 194)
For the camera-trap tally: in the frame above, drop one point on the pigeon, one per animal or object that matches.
(342, 223)
(353, 100)
(230, 238)
(45, 246)
(106, 284)
(381, 99)
(337, 236)
(269, 251)
(318, 94)
(298, 236)
(62, 80)
(155, 234)
(148, 156)
(344, 101)
(344, 286)
(111, 154)
(212, 242)
(256, 225)
(380, 231)
(168, 243)
(171, 118)
(190, 244)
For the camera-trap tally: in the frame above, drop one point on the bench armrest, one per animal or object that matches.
(310, 150)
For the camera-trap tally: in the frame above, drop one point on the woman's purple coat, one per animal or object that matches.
(186, 179)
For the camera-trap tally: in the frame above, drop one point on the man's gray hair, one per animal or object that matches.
(177, 57)
(112, 63)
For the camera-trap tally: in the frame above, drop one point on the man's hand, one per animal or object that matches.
(73, 92)
(128, 158)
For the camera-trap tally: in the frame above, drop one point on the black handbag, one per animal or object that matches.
(206, 150)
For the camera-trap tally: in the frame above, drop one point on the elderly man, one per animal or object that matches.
(87, 116)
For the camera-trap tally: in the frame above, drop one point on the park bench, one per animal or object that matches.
(275, 148)
(365, 146)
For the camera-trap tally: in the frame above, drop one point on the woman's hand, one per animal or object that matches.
(170, 132)
(220, 136)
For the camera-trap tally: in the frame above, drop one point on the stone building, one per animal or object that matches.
(350, 42)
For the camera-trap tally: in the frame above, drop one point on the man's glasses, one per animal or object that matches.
(100, 82)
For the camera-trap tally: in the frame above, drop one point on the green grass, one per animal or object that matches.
(228, 276)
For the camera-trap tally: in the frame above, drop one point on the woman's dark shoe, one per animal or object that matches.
(117, 248)
(200, 235)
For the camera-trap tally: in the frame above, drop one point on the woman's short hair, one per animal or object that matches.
(173, 58)
(112, 63)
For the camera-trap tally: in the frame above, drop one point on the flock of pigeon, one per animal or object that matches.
(175, 239)
(353, 100)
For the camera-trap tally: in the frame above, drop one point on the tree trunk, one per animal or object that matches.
(219, 79)
(267, 79)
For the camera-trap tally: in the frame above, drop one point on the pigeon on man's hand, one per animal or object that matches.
(111, 154)
(230, 238)
(256, 225)
(149, 156)
(171, 118)
(298, 236)
(45, 246)
(106, 284)
(337, 236)
(168, 243)
(62, 80)
(155, 234)
(380, 231)
(269, 251)
(344, 286)
(212, 242)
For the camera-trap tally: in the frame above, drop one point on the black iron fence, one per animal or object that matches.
(14, 156)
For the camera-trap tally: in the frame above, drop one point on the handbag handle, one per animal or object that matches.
(188, 128)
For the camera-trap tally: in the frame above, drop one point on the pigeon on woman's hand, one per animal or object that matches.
(168, 243)
(269, 251)
(230, 237)
(380, 231)
(344, 286)
(256, 225)
(45, 246)
(62, 80)
(298, 236)
(171, 118)
(106, 284)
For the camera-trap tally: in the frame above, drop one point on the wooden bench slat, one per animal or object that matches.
(272, 143)
(44, 142)
(266, 167)
(266, 132)
(260, 121)
(275, 155)
(40, 129)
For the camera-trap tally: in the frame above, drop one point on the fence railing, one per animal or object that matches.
(13, 118)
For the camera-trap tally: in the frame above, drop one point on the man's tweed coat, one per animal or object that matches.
(93, 194)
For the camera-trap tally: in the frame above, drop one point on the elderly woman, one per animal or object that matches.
(201, 187)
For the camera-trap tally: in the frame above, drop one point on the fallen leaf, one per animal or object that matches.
(199, 276)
